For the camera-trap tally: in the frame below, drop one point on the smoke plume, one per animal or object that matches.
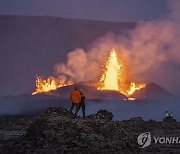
(151, 52)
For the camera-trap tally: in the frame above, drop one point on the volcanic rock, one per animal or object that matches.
(102, 115)
(169, 119)
(56, 131)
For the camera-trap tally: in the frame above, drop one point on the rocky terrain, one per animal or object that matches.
(56, 131)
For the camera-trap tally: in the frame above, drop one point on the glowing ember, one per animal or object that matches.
(114, 77)
(131, 99)
(49, 84)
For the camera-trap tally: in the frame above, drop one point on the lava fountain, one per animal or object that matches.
(46, 85)
(114, 77)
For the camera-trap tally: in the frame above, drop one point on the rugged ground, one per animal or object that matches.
(56, 131)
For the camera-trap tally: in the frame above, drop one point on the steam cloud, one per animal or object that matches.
(151, 51)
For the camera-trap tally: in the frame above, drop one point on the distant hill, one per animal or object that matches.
(152, 91)
(90, 93)
(32, 45)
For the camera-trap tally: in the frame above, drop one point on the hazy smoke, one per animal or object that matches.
(151, 51)
(86, 65)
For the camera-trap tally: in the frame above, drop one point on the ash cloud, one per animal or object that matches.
(151, 52)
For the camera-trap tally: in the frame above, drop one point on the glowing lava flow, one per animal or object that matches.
(49, 84)
(112, 72)
(114, 77)
(134, 87)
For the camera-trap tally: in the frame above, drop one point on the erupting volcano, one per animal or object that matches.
(114, 77)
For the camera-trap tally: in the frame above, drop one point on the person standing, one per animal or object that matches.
(75, 97)
(167, 114)
(82, 103)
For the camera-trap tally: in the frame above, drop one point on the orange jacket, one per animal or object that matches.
(75, 96)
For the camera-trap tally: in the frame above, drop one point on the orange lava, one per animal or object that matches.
(114, 77)
(46, 85)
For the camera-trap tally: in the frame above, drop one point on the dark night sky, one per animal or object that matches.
(107, 10)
